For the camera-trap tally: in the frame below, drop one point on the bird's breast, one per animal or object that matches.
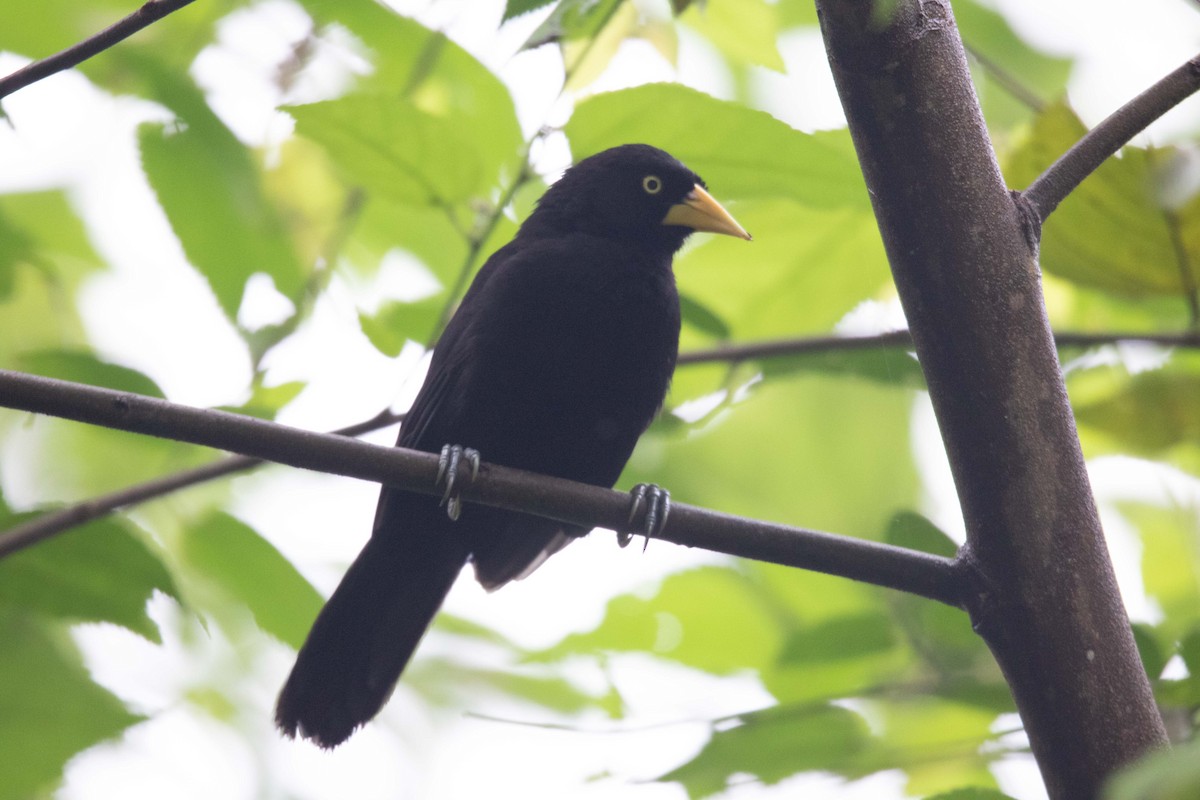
(578, 355)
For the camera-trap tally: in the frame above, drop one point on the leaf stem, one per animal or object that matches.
(45, 526)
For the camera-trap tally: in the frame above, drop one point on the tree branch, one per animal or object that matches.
(791, 347)
(1048, 604)
(930, 576)
(52, 523)
(149, 13)
(779, 348)
(478, 239)
(1053, 185)
(61, 520)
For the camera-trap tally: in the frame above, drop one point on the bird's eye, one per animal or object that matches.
(652, 184)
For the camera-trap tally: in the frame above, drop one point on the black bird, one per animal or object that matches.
(556, 361)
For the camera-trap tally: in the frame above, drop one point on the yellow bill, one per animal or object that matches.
(699, 211)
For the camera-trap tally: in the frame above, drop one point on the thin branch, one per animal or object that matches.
(791, 347)
(479, 238)
(150, 12)
(922, 574)
(1053, 185)
(779, 348)
(1085, 339)
(1009, 82)
(1187, 280)
(53, 523)
(524, 173)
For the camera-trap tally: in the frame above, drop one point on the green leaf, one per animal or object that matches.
(83, 367)
(56, 24)
(971, 793)
(692, 619)
(423, 232)
(838, 656)
(915, 531)
(744, 30)
(1153, 413)
(702, 318)
(461, 626)
(425, 68)
(44, 255)
(447, 682)
(573, 19)
(68, 461)
(267, 401)
(57, 712)
(775, 744)
(395, 324)
(1111, 232)
(98, 572)
(1189, 650)
(1073, 306)
(797, 13)
(839, 639)
(16, 249)
(391, 147)
(52, 234)
(1170, 562)
(803, 272)
(249, 568)
(942, 636)
(209, 185)
(33, 316)
(939, 742)
(516, 8)
(1154, 656)
(742, 153)
(1163, 775)
(989, 38)
(890, 365)
(825, 453)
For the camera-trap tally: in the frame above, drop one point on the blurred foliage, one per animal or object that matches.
(413, 161)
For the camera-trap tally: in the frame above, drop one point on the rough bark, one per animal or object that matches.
(964, 260)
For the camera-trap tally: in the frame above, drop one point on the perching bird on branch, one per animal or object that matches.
(556, 361)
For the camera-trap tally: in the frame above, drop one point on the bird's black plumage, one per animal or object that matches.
(557, 359)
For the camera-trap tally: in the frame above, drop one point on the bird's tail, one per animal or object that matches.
(366, 633)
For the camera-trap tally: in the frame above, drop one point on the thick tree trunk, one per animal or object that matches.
(965, 265)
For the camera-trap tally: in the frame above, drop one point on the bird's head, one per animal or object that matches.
(637, 193)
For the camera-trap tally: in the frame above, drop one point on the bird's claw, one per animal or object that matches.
(658, 505)
(448, 476)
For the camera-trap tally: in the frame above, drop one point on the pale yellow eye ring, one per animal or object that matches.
(652, 184)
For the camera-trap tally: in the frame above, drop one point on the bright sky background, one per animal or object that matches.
(70, 134)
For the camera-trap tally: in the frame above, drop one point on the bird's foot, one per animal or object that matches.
(658, 505)
(448, 476)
